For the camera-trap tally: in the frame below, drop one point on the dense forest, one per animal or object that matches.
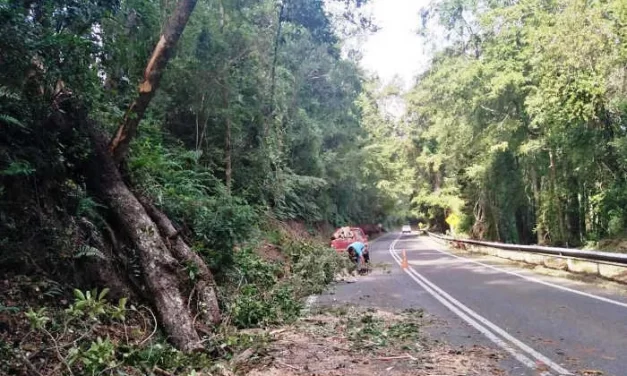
(157, 148)
(173, 151)
(518, 126)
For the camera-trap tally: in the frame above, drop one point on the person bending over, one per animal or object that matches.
(358, 254)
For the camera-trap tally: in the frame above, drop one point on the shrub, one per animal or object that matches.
(265, 297)
(313, 265)
(190, 194)
(615, 225)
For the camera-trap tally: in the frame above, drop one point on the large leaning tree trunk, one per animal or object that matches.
(152, 78)
(228, 168)
(207, 299)
(160, 270)
(162, 251)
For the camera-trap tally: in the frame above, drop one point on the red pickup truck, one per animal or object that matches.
(344, 236)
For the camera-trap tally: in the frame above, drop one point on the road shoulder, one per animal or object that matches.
(346, 339)
(370, 311)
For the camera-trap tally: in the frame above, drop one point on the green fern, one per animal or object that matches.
(7, 93)
(17, 168)
(89, 207)
(86, 251)
(9, 309)
(10, 120)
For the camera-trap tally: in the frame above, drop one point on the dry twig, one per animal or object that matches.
(155, 328)
(386, 358)
(288, 365)
(162, 372)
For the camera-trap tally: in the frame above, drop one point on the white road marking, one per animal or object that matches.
(474, 319)
(491, 336)
(532, 279)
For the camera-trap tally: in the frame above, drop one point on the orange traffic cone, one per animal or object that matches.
(404, 263)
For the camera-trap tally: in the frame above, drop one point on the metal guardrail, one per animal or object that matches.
(617, 258)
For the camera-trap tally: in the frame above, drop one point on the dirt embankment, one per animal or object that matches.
(613, 245)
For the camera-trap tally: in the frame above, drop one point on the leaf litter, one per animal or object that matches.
(350, 340)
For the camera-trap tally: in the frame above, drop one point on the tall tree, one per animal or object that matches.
(201, 170)
(152, 78)
(511, 121)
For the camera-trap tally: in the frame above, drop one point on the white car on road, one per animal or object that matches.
(406, 229)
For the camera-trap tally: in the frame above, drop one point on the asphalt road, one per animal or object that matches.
(543, 325)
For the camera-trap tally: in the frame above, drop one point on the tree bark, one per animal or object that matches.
(228, 171)
(275, 59)
(573, 210)
(127, 130)
(160, 269)
(535, 185)
(205, 284)
(162, 251)
(583, 214)
(561, 238)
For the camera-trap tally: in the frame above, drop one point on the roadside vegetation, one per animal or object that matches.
(518, 125)
(170, 170)
(157, 197)
(47, 329)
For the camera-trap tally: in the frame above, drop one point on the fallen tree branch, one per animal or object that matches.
(162, 372)
(386, 358)
(58, 352)
(288, 365)
(31, 369)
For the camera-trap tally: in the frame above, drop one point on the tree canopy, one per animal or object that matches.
(518, 125)
(143, 144)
